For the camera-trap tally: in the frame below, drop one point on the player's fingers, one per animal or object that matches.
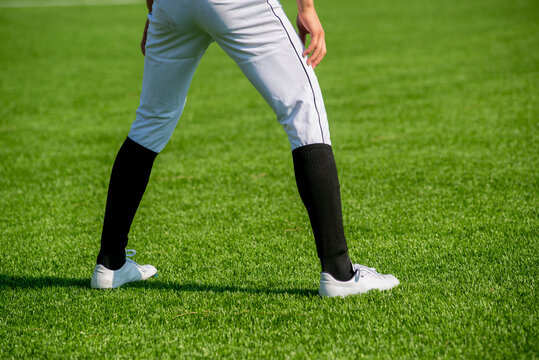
(144, 36)
(311, 47)
(315, 53)
(318, 54)
(143, 45)
(317, 38)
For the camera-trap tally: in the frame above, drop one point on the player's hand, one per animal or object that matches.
(308, 23)
(144, 35)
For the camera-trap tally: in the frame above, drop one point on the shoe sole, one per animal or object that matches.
(93, 285)
(328, 289)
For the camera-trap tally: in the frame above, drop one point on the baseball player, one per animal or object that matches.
(257, 35)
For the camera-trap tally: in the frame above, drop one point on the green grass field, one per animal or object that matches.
(433, 108)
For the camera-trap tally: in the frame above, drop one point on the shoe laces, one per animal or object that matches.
(363, 271)
(130, 253)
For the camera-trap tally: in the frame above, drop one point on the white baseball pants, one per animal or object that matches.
(257, 35)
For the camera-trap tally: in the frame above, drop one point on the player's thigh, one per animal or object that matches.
(172, 56)
(259, 37)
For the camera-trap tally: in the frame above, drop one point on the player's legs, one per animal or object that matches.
(173, 50)
(264, 44)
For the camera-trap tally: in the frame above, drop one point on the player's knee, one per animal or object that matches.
(305, 123)
(153, 132)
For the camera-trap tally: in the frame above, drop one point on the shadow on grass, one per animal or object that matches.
(28, 282)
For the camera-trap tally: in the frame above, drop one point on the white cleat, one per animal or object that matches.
(104, 278)
(364, 279)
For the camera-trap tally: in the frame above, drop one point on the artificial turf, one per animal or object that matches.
(433, 109)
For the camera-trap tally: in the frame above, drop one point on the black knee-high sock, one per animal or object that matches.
(318, 185)
(128, 180)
